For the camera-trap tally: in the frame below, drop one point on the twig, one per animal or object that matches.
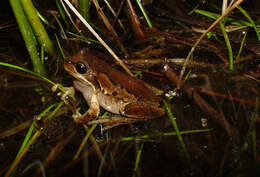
(116, 15)
(98, 37)
(134, 20)
(109, 27)
(68, 14)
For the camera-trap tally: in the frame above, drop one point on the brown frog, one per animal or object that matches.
(118, 93)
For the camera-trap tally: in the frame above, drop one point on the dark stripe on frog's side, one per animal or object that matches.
(132, 85)
(109, 88)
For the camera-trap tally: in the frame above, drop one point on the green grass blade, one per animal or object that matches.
(62, 14)
(29, 133)
(144, 13)
(84, 38)
(27, 71)
(84, 9)
(230, 52)
(38, 27)
(27, 145)
(228, 19)
(60, 47)
(187, 155)
(19, 158)
(241, 46)
(52, 114)
(207, 13)
(26, 139)
(250, 20)
(84, 141)
(25, 142)
(131, 138)
(28, 36)
(44, 20)
(32, 73)
(62, 31)
(138, 157)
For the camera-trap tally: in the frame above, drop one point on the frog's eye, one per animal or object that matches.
(81, 67)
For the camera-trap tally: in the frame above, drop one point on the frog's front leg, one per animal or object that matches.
(91, 98)
(91, 114)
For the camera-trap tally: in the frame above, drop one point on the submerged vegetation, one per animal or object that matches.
(201, 58)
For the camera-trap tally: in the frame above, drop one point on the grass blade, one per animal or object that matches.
(28, 36)
(230, 52)
(33, 73)
(84, 9)
(60, 47)
(241, 46)
(138, 157)
(27, 71)
(29, 133)
(250, 20)
(231, 20)
(38, 27)
(62, 13)
(24, 149)
(143, 137)
(144, 13)
(84, 141)
(19, 158)
(187, 155)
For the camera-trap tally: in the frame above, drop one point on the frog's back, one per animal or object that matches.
(132, 85)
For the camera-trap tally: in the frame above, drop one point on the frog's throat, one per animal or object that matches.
(84, 80)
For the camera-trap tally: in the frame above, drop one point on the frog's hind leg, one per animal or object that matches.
(141, 110)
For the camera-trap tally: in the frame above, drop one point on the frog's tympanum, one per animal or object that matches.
(118, 93)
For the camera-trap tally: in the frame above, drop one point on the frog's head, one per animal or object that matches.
(79, 68)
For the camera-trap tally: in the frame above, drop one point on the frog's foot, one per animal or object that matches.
(91, 114)
(77, 114)
(78, 117)
(69, 91)
(88, 116)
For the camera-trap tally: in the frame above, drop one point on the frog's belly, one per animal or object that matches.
(109, 103)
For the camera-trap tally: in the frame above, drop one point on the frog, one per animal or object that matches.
(104, 86)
